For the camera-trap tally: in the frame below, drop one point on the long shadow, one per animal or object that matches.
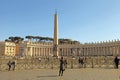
(47, 76)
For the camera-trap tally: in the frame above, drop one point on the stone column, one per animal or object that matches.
(41, 51)
(30, 51)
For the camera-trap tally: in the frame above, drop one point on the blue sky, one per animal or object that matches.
(81, 20)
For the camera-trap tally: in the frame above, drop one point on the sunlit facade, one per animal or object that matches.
(7, 49)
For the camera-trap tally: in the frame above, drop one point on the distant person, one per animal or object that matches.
(79, 62)
(84, 62)
(116, 61)
(9, 65)
(61, 68)
(14, 63)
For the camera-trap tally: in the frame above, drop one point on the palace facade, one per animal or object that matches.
(8, 49)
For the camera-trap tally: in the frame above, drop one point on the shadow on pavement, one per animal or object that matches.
(47, 76)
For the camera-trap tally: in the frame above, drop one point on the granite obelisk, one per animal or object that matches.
(55, 42)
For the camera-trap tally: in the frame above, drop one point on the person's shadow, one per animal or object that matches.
(47, 76)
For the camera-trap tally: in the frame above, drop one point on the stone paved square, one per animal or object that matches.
(69, 74)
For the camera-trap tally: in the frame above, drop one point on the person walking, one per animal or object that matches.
(116, 61)
(79, 62)
(84, 62)
(9, 65)
(61, 68)
(14, 63)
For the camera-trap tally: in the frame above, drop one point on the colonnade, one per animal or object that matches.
(74, 50)
(82, 51)
(91, 50)
(100, 51)
(39, 51)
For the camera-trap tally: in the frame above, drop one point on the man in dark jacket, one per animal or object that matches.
(116, 61)
(61, 69)
(9, 65)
